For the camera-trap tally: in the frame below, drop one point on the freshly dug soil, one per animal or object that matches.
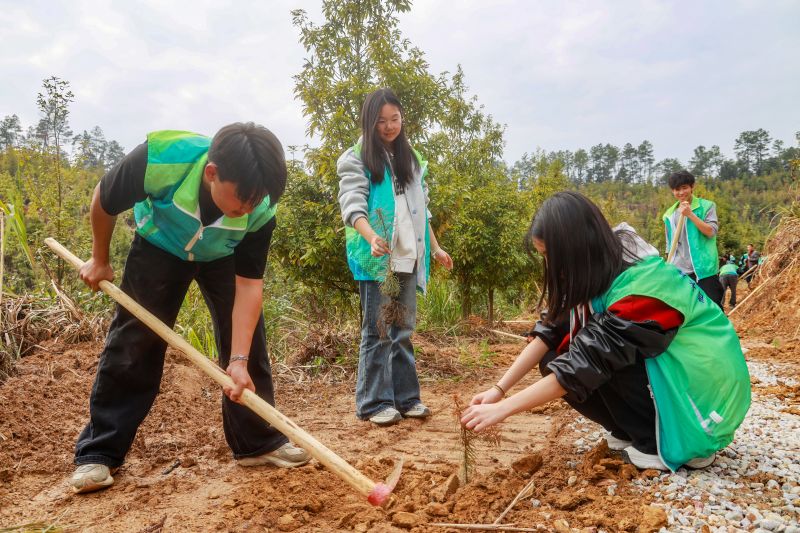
(45, 405)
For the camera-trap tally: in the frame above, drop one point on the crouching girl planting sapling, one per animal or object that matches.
(628, 341)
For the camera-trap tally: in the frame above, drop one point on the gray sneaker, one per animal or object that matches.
(418, 411)
(287, 456)
(643, 461)
(701, 462)
(91, 477)
(616, 444)
(387, 417)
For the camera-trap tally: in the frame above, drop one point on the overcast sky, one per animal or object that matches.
(559, 75)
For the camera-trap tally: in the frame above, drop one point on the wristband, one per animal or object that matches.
(434, 253)
(498, 387)
(235, 358)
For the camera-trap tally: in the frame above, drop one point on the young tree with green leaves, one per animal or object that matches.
(752, 148)
(356, 49)
(53, 104)
(10, 132)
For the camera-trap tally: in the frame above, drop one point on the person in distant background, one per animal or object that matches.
(753, 260)
(728, 278)
(696, 254)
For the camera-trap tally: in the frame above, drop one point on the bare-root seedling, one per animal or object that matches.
(393, 312)
(469, 439)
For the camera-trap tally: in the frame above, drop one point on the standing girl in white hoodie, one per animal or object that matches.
(384, 203)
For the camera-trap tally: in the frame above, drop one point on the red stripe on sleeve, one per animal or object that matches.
(564, 346)
(643, 308)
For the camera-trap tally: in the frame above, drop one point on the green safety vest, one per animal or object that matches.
(728, 269)
(700, 384)
(170, 215)
(702, 250)
(380, 206)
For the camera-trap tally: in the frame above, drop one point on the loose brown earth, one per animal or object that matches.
(45, 405)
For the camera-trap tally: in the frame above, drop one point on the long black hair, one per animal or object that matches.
(373, 152)
(583, 254)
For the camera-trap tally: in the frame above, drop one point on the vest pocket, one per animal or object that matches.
(145, 227)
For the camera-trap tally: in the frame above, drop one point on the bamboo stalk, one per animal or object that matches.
(376, 493)
(674, 245)
(2, 256)
(512, 335)
(764, 284)
(523, 493)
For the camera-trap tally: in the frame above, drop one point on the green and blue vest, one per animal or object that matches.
(728, 269)
(700, 384)
(702, 249)
(170, 215)
(381, 213)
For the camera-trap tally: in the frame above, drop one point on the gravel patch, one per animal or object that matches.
(754, 485)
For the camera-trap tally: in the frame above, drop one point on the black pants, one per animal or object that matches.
(712, 287)
(623, 405)
(729, 281)
(132, 362)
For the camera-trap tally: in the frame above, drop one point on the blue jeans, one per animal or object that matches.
(387, 374)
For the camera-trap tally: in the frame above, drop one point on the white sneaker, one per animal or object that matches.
(418, 411)
(643, 461)
(287, 456)
(387, 417)
(616, 444)
(91, 477)
(701, 462)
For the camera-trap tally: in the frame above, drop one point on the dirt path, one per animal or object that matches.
(45, 406)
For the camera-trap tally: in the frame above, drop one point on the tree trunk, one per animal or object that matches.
(491, 307)
(466, 304)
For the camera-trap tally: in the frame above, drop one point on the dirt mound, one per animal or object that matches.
(771, 311)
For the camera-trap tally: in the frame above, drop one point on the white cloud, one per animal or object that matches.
(560, 75)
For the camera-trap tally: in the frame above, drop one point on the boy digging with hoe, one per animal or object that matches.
(204, 211)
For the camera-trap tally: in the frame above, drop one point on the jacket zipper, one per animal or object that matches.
(197, 237)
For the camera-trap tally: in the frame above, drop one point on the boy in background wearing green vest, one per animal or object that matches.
(696, 254)
(204, 211)
(729, 278)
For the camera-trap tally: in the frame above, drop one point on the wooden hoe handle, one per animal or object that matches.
(674, 245)
(376, 493)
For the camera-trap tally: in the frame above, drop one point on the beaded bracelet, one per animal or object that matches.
(239, 358)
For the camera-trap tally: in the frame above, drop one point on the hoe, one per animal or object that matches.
(376, 493)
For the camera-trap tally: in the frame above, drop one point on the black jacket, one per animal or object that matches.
(605, 344)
